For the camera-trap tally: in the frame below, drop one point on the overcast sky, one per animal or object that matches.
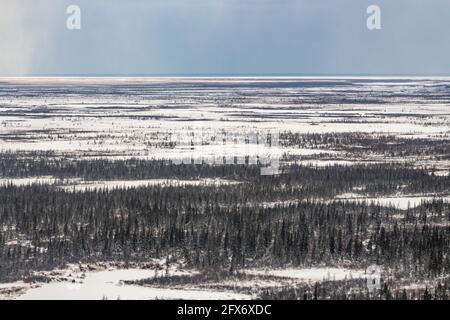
(243, 37)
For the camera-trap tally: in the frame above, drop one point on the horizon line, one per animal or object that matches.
(274, 75)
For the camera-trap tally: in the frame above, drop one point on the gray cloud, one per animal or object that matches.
(15, 46)
(224, 37)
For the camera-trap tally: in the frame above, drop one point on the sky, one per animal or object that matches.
(224, 37)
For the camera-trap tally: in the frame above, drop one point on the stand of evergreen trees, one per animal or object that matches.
(216, 227)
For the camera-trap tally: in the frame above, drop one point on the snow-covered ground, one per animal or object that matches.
(108, 285)
(76, 284)
(124, 118)
(311, 274)
(400, 202)
(29, 181)
(130, 117)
